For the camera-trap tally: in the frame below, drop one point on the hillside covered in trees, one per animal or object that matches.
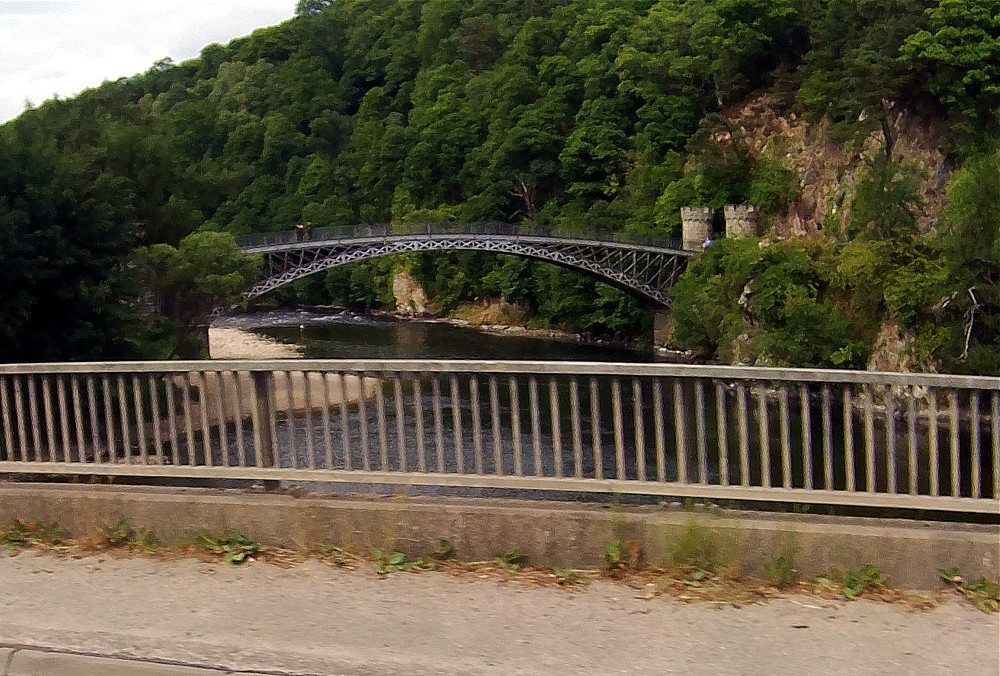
(878, 179)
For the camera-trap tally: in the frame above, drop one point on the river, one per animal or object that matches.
(332, 335)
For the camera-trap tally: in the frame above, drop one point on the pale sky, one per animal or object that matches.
(62, 47)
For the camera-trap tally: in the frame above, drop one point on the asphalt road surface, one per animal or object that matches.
(313, 619)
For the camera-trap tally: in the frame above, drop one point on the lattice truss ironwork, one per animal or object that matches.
(650, 272)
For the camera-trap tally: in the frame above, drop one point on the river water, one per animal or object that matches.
(331, 335)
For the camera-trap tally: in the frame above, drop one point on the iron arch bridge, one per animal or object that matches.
(646, 267)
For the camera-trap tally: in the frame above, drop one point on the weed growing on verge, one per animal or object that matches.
(123, 535)
(20, 535)
(445, 550)
(337, 556)
(854, 582)
(511, 560)
(566, 577)
(397, 561)
(983, 594)
(144, 541)
(621, 556)
(118, 535)
(700, 555)
(234, 547)
(780, 571)
(700, 549)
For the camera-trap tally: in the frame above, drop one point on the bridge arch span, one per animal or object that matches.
(648, 271)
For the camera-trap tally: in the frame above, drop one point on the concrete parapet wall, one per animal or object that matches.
(550, 533)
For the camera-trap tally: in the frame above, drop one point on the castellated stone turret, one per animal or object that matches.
(696, 226)
(742, 221)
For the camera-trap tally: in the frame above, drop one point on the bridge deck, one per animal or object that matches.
(287, 242)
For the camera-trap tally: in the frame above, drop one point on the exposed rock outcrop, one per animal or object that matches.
(410, 297)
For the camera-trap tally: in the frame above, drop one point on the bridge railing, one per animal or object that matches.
(497, 229)
(827, 437)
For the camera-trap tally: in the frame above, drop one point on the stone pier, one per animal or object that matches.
(663, 328)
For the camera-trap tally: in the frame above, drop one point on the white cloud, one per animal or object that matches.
(61, 47)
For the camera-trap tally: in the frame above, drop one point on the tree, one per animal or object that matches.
(593, 159)
(311, 7)
(64, 240)
(961, 50)
(185, 284)
(972, 219)
(853, 74)
(886, 201)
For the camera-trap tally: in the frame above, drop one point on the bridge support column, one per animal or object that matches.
(663, 328)
(696, 226)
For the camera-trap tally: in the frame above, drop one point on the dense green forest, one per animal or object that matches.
(115, 204)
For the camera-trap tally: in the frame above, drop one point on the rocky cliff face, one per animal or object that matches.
(828, 173)
(410, 297)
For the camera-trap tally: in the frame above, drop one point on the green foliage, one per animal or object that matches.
(780, 570)
(144, 540)
(22, 535)
(338, 556)
(398, 561)
(234, 547)
(773, 186)
(64, 242)
(960, 49)
(901, 279)
(120, 534)
(620, 556)
(206, 271)
(697, 548)
(773, 302)
(511, 560)
(123, 535)
(445, 550)
(853, 74)
(853, 583)
(310, 7)
(972, 220)
(885, 201)
(983, 593)
(566, 577)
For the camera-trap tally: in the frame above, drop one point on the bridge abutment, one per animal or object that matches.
(663, 328)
